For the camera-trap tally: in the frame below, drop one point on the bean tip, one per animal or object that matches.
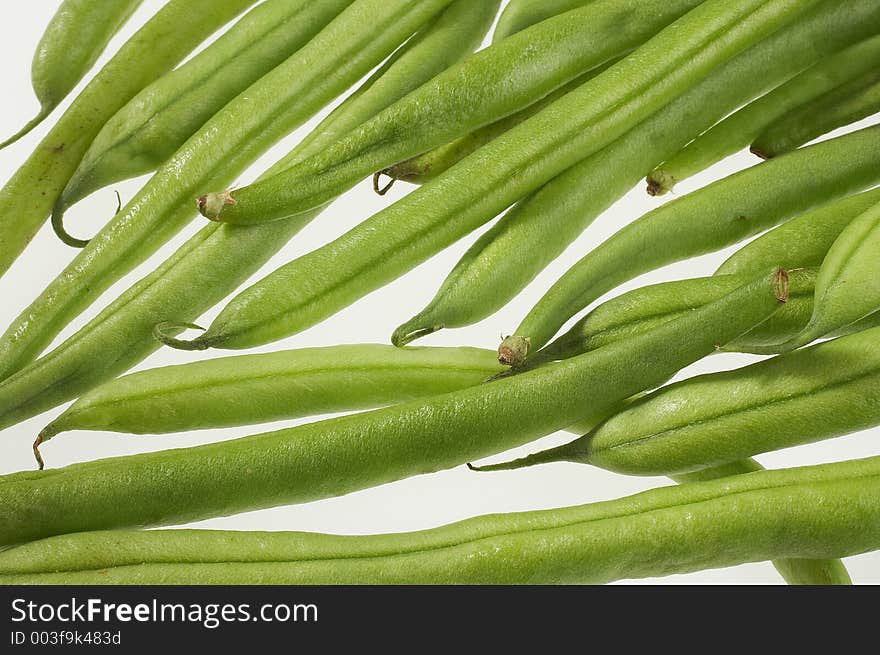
(514, 350)
(781, 284)
(382, 190)
(211, 205)
(37, 456)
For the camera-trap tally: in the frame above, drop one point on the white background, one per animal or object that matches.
(416, 503)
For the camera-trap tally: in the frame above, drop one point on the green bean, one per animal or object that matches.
(145, 133)
(828, 510)
(642, 309)
(801, 242)
(74, 39)
(429, 165)
(322, 282)
(340, 455)
(718, 215)
(846, 104)
(738, 130)
(529, 236)
(820, 392)
(521, 14)
(197, 276)
(155, 49)
(503, 79)
(280, 385)
(795, 571)
(359, 39)
(848, 284)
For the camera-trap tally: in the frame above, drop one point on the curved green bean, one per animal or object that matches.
(715, 216)
(820, 392)
(359, 38)
(320, 283)
(846, 104)
(340, 455)
(154, 50)
(505, 78)
(145, 133)
(198, 275)
(828, 510)
(801, 242)
(74, 39)
(251, 389)
(529, 236)
(739, 129)
(521, 14)
(848, 284)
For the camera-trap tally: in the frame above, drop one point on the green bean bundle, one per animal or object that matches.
(715, 216)
(202, 271)
(340, 455)
(370, 30)
(155, 49)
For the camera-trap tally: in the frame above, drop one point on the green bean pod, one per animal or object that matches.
(74, 39)
(739, 129)
(830, 510)
(340, 455)
(145, 133)
(529, 236)
(711, 218)
(429, 165)
(359, 39)
(251, 389)
(839, 107)
(642, 309)
(320, 283)
(156, 48)
(521, 14)
(848, 284)
(795, 571)
(801, 242)
(821, 392)
(198, 275)
(502, 80)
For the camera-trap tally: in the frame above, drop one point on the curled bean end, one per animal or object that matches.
(211, 205)
(39, 118)
(514, 350)
(37, 456)
(382, 190)
(62, 233)
(412, 330)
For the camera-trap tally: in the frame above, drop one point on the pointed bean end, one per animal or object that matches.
(412, 330)
(377, 178)
(167, 332)
(514, 350)
(211, 205)
(758, 151)
(37, 456)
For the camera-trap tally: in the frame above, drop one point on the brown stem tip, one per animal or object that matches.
(514, 350)
(37, 455)
(781, 285)
(211, 204)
